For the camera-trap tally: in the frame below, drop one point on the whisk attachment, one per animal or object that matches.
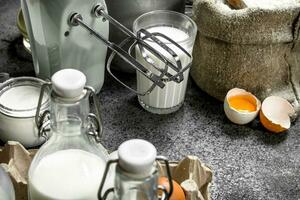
(170, 70)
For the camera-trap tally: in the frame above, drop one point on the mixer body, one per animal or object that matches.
(56, 45)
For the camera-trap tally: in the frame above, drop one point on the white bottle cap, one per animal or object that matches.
(68, 83)
(137, 156)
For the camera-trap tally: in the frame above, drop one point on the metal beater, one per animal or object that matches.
(137, 40)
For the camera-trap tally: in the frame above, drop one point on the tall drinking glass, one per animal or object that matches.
(182, 30)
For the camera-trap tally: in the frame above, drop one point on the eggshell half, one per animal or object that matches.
(275, 114)
(236, 116)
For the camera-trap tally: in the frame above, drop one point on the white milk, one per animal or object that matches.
(172, 94)
(67, 175)
(21, 97)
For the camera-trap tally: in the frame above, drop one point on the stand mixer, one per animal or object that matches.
(57, 45)
(63, 34)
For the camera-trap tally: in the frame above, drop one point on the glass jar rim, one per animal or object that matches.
(156, 12)
(21, 81)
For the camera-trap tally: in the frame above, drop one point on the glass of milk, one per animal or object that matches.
(181, 29)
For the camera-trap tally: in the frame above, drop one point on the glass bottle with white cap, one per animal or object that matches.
(136, 173)
(71, 163)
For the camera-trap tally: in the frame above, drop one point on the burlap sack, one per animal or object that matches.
(252, 48)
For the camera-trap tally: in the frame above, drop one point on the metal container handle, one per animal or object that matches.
(96, 126)
(42, 120)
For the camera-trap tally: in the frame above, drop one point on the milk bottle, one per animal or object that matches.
(70, 165)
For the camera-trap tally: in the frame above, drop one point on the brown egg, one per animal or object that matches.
(178, 193)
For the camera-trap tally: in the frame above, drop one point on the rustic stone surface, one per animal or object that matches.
(248, 162)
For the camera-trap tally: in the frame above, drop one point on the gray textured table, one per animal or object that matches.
(248, 162)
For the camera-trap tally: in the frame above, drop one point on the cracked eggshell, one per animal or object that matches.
(276, 113)
(237, 116)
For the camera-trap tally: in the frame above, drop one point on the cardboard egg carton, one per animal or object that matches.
(15, 159)
(193, 175)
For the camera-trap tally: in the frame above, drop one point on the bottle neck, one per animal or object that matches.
(135, 187)
(69, 116)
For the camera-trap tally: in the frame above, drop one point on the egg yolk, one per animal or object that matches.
(243, 103)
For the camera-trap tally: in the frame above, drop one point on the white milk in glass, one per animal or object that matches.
(172, 95)
(67, 175)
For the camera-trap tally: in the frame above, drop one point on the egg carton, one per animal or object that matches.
(15, 159)
(193, 175)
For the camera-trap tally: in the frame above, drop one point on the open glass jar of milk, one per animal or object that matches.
(18, 104)
(182, 30)
(70, 164)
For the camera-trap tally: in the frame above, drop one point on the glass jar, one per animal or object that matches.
(70, 164)
(18, 105)
(182, 30)
(136, 173)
